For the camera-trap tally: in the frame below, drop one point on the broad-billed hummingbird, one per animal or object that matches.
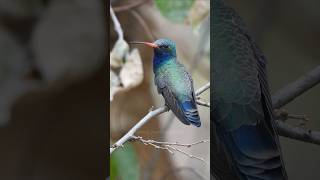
(242, 108)
(173, 81)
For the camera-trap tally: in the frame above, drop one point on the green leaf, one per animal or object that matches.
(174, 10)
(124, 164)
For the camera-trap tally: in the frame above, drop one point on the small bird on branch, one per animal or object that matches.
(174, 82)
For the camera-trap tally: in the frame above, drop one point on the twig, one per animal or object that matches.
(295, 89)
(146, 118)
(116, 23)
(185, 153)
(156, 153)
(202, 102)
(170, 146)
(288, 94)
(202, 89)
(286, 130)
(284, 115)
(169, 143)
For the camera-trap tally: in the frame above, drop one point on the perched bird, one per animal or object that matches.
(174, 82)
(242, 109)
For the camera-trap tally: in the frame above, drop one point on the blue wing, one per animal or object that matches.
(186, 111)
(190, 111)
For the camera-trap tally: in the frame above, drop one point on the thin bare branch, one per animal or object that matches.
(169, 146)
(144, 120)
(187, 154)
(170, 143)
(298, 133)
(295, 89)
(202, 89)
(116, 23)
(288, 94)
(152, 113)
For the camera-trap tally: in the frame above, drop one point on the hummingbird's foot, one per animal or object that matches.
(283, 115)
(116, 146)
(202, 102)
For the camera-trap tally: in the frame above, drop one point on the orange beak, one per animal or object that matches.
(145, 43)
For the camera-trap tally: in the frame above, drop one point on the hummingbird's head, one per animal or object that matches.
(162, 47)
(165, 47)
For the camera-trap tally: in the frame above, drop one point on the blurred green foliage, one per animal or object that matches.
(174, 10)
(124, 164)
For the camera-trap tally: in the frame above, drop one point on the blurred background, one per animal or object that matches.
(288, 32)
(53, 90)
(133, 92)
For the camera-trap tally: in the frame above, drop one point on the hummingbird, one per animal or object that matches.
(173, 82)
(242, 109)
